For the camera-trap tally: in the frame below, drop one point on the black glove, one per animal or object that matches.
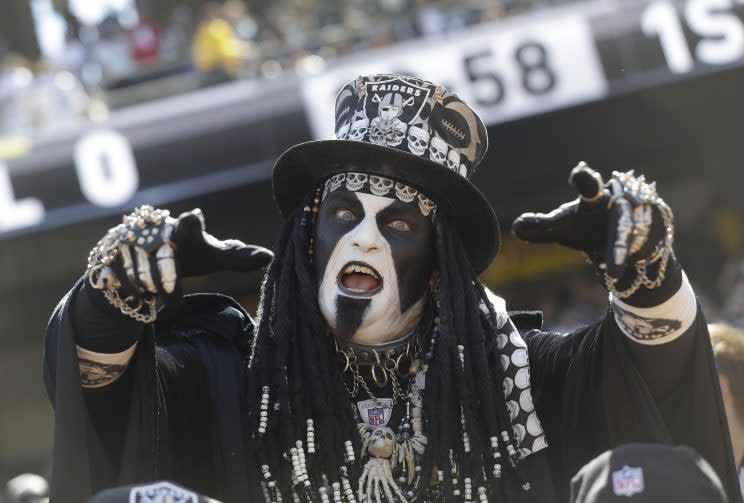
(618, 224)
(150, 252)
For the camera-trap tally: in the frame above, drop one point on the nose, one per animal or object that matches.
(366, 236)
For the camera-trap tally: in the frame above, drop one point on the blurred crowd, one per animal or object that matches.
(127, 59)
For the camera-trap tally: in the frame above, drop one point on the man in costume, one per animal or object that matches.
(378, 369)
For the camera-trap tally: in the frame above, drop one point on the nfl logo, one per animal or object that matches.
(376, 416)
(627, 481)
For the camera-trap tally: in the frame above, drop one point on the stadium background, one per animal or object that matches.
(107, 105)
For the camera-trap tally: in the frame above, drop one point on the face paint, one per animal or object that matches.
(374, 256)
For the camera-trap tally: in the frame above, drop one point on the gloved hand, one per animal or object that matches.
(149, 253)
(623, 226)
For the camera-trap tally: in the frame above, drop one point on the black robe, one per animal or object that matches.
(176, 412)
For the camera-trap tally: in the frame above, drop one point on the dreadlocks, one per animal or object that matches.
(293, 362)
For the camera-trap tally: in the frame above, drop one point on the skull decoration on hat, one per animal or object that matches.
(414, 116)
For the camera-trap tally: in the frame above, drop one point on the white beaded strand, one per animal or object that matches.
(468, 489)
(310, 437)
(350, 458)
(264, 417)
(482, 496)
(336, 492)
(324, 494)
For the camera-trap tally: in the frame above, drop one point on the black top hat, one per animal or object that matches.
(409, 130)
(647, 473)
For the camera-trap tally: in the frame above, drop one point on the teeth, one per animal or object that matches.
(351, 268)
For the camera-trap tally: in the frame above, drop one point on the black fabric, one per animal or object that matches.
(591, 396)
(662, 474)
(102, 335)
(80, 464)
(175, 413)
(184, 417)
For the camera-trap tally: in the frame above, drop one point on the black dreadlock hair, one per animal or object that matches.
(293, 356)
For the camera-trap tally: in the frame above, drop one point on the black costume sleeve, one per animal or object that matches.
(175, 413)
(83, 461)
(595, 389)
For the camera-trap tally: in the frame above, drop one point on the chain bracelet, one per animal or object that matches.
(663, 251)
(106, 251)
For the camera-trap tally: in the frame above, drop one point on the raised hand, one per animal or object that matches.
(619, 224)
(149, 252)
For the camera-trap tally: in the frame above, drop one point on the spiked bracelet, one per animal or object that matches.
(140, 228)
(644, 196)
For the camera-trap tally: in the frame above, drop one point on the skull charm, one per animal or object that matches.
(438, 150)
(358, 129)
(380, 186)
(355, 181)
(382, 443)
(426, 205)
(418, 140)
(404, 192)
(334, 183)
(390, 132)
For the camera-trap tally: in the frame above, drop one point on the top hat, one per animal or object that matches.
(409, 130)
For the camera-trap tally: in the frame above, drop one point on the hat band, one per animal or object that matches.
(380, 186)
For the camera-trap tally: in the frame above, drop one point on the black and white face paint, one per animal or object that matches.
(374, 256)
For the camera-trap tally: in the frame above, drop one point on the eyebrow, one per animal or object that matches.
(401, 209)
(347, 198)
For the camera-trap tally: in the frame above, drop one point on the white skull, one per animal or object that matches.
(505, 362)
(380, 186)
(335, 182)
(519, 432)
(525, 401)
(508, 386)
(463, 170)
(522, 377)
(533, 425)
(358, 129)
(418, 140)
(376, 133)
(426, 205)
(355, 181)
(404, 192)
(387, 132)
(513, 409)
(516, 339)
(398, 133)
(501, 340)
(519, 357)
(438, 150)
(343, 132)
(382, 443)
(453, 160)
(539, 443)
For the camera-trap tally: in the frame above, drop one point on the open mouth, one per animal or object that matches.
(358, 279)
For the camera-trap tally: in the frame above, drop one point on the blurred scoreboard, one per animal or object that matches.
(218, 139)
(556, 58)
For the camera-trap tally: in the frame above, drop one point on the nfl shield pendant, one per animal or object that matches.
(376, 413)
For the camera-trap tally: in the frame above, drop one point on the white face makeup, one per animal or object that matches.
(370, 241)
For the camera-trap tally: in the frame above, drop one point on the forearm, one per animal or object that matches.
(657, 328)
(105, 338)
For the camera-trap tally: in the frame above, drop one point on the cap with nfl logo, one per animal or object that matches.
(647, 473)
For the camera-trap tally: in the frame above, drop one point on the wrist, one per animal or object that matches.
(661, 321)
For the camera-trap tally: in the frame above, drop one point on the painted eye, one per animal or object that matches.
(399, 225)
(345, 214)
